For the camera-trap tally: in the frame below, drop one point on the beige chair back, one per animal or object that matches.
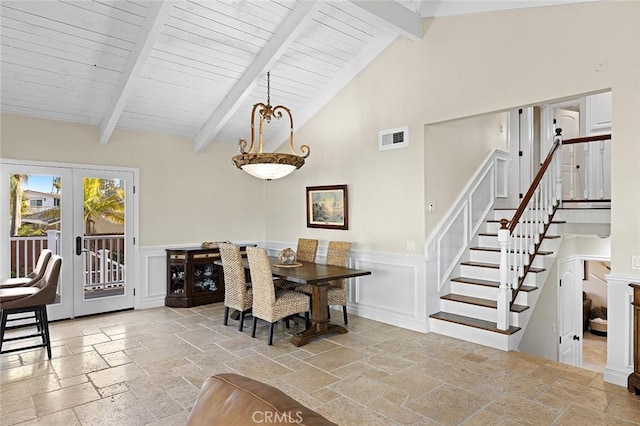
(235, 286)
(338, 254)
(306, 250)
(47, 285)
(264, 296)
(43, 259)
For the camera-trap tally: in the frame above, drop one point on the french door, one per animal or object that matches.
(83, 214)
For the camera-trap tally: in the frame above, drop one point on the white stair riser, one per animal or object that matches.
(494, 257)
(491, 274)
(548, 244)
(475, 311)
(526, 298)
(473, 290)
(554, 228)
(472, 334)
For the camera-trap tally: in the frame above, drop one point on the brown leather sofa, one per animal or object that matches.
(232, 399)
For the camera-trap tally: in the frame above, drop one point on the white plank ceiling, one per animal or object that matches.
(191, 68)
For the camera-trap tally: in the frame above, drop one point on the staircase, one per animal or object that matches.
(488, 265)
(469, 311)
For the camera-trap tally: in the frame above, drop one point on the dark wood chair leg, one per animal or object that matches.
(307, 321)
(344, 315)
(253, 328)
(226, 315)
(270, 342)
(241, 321)
(3, 325)
(45, 327)
(286, 323)
(328, 312)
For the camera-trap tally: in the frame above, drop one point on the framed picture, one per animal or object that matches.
(327, 207)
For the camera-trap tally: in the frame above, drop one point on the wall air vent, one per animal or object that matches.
(393, 138)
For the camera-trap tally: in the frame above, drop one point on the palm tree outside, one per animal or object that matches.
(103, 198)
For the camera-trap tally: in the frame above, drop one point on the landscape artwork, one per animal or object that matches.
(327, 207)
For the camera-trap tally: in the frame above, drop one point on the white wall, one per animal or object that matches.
(184, 198)
(475, 137)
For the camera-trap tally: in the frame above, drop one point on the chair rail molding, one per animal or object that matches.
(450, 239)
(394, 294)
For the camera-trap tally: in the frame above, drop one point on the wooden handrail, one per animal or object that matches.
(587, 139)
(534, 185)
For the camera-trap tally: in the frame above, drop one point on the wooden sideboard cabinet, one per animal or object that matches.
(193, 278)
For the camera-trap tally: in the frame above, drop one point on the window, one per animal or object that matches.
(35, 203)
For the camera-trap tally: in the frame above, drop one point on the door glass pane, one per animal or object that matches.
(34, 220)
(103, 237)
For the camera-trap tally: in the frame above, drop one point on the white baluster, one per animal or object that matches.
(572, 180)
(601, 158)
(586, 171)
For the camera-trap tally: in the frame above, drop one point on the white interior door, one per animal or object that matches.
(569, 122)
(569, 311)
(56, 198)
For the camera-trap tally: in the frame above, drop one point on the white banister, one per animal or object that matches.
(504, 293)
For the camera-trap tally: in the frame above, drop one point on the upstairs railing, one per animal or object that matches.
(521, 237)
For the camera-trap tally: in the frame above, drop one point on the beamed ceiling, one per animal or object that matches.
(195, 68)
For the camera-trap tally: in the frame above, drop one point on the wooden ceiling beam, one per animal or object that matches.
(269, 55)
(395, 16)
(153, 23)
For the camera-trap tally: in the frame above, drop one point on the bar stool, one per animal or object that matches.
(31, 278)
(20, 300)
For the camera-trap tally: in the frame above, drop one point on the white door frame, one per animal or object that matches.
(66, 273)
(578, 264)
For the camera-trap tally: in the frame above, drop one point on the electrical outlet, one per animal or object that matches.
(430, 208)
(635, 262)
(411, 245)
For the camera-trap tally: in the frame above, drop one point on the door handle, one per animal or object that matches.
(79, 248)
(576, 337)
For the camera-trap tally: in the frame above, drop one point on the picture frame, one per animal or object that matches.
(327, 207)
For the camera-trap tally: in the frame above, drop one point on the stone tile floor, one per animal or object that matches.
(145, 367)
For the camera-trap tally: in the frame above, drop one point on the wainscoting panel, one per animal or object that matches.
(452, 244)
(619, 329)
(151, 287)
(482, 198)
(393, 294)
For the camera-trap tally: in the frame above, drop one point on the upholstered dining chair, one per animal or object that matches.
(16, 301)
(305, 252)
(237, 292)
(32, 277)
(271, 304)
(338, 255)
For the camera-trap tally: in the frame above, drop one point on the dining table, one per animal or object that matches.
(319, 276)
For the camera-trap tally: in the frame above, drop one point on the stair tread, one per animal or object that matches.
(488, 283)
(497, 249)
(490, 234)
(473, 322)
(487, 303)
(496, 266)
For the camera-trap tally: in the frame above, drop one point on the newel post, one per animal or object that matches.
(504, 293)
